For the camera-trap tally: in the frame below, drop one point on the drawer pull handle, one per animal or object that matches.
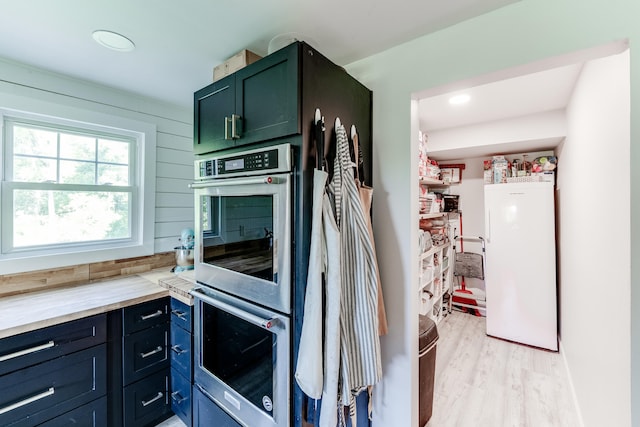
(180, 314)
(177, 398)
(149, 402)
(158, 349)
(27, 351)
(27, 401)
(151, 316)
(177, 350)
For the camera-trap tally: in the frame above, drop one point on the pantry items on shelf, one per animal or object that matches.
(424, 241)
(436, 228)
(500, 169)
(544, 164)
(430, 202)
(427, 168)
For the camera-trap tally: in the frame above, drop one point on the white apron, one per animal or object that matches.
(309, 364)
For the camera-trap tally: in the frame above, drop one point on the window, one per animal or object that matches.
(72, 192)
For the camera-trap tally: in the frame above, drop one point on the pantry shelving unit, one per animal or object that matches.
(435, 272)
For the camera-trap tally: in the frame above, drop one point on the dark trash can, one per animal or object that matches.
(427, 367)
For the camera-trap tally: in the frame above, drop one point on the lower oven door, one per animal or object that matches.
(242, 358)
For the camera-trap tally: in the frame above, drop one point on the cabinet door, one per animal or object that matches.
(181, 315)
(145, 315)
(39, 393)
(213, 106)
(93, 414)
(31, 348)
(267, 97)
(145, 352)
(181, 397)
(181, 350)
(147, 402)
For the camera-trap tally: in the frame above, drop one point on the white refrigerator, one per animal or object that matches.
(520, 264)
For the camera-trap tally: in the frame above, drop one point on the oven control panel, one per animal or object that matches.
(252, 162)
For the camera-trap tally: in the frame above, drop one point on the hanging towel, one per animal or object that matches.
(366, 197)
(309, 368)
(360, 344)
(329, 407)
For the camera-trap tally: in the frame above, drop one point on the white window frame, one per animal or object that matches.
(142, 213)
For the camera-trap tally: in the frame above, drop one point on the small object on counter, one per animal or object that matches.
(185, 253)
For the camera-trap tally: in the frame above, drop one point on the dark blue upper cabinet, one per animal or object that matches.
(258, 103)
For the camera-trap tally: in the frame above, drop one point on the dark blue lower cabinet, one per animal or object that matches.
(181, 397)
(207, 413)
(33, 395)
(93, 414)
(147, 401)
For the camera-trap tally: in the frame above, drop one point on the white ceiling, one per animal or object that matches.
(514, 97)
(179, 43)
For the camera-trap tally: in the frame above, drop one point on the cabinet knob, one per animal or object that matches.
(177, 350)
(175, 396)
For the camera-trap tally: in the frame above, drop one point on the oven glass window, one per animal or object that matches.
(237, 233)
(240, 354)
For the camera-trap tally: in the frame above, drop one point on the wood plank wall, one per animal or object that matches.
(13, 284)
(174, 135)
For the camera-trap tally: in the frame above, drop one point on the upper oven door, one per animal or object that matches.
(243, 238)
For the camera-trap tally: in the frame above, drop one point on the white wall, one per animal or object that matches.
(174, 136)
(594, 240)
(499, 135)
(515, 35)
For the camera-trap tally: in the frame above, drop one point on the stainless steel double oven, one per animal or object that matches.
(243, 267)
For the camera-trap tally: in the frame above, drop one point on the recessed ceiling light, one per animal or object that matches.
(113, 41)
(463, 98)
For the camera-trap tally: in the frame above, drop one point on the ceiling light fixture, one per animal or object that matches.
(113, 41)
(459, 99)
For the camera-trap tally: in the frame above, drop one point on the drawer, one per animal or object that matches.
(145, 352)
(147, 401)
(207, 413)
(93, 414)
(181, 351)
(181, 314)
(181, 396)
(31, 348)
(145, 315)
(42, 392)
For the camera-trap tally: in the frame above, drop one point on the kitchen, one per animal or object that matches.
(393, 77)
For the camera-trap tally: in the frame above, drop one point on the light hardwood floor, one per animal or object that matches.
(487, 382)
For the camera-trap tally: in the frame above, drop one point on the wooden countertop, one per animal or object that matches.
(35, 310)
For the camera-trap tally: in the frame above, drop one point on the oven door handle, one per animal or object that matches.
(265, 323)
(238, 181)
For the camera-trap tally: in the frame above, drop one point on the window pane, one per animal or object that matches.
(52, 217)
(113, 151)
(35, 142)
(77, 147)
(77, 172)
(113, 175)
(31, 169)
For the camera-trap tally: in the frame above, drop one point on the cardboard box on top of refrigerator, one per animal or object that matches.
(235, 63)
